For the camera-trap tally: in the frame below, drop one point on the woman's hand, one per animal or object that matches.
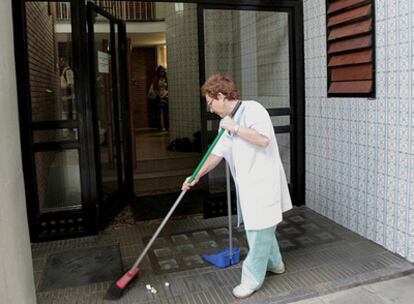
(248, 134)
(187, 186)
(228, 124)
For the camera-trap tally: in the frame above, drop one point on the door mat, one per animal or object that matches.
(157, 206)
(79, 267)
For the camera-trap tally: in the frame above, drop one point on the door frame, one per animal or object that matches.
(87, 214)
(296, 111)
(86, 220)
(108, 208)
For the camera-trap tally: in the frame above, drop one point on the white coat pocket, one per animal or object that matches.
(259, 193)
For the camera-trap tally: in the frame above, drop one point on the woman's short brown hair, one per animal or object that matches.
(223, 84)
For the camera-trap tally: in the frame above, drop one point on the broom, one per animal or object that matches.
(117, 288)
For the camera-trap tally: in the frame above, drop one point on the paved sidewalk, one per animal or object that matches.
(399, 290)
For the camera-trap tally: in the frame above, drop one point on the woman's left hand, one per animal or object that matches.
(228, 124)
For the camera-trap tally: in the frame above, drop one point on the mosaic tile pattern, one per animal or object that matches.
(359, 152)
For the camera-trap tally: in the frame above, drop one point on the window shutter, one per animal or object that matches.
(350, 48)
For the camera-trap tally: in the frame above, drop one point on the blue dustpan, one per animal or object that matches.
(223, 258)
(229, 256)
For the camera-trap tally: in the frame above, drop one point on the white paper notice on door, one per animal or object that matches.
(103, 62)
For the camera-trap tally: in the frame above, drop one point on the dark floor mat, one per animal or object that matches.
(82, 266)
(157, 206)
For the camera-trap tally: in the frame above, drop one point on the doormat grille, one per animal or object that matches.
(81, 267)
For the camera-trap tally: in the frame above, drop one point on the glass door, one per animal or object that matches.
(256, 48)
(52, 121)
(107, 55)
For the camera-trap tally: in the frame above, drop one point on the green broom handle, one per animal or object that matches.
(207, 154)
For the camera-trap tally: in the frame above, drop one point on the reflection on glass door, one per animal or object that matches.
(108, 97)
(53, 148)
(53, 105)
(253, 47)
(104, 105)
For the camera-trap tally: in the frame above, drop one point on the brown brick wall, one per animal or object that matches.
(44, 82)
(143, 67)
(42, 56)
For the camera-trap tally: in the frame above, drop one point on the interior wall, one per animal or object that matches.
(162, 56)
(143, 68)
(222, 55)
(42, 56)
(253, 47)
(44, 83)
(16, 270)
(183, 75)
(359, 152)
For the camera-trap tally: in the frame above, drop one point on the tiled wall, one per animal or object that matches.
(183, 76)
(220, 41)
(272, 36)
(222, 52)
(251, 46)
(359, 152)
(264, 74)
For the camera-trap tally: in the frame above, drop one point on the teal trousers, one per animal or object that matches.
(263, 253)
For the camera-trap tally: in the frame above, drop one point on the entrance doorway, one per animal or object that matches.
(82, 157)
(109, 94)
(206, 39)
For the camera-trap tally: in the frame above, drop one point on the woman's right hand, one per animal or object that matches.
(187, 186)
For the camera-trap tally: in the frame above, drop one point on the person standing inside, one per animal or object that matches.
(158, 94)
(250, 148)
(162, 92)
(67, 89)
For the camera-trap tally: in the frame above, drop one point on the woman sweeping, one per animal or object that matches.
(250, 148)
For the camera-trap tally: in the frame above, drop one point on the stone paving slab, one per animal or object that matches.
(399, 290)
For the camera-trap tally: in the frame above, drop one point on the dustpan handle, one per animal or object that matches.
(229, 210)
(207, 154)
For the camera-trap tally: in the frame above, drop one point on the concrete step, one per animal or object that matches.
(179, 162)
(160, 181)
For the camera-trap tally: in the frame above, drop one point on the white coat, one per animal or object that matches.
(261, 185)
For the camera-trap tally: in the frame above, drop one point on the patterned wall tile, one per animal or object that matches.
(367, 155)
(184, 96)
